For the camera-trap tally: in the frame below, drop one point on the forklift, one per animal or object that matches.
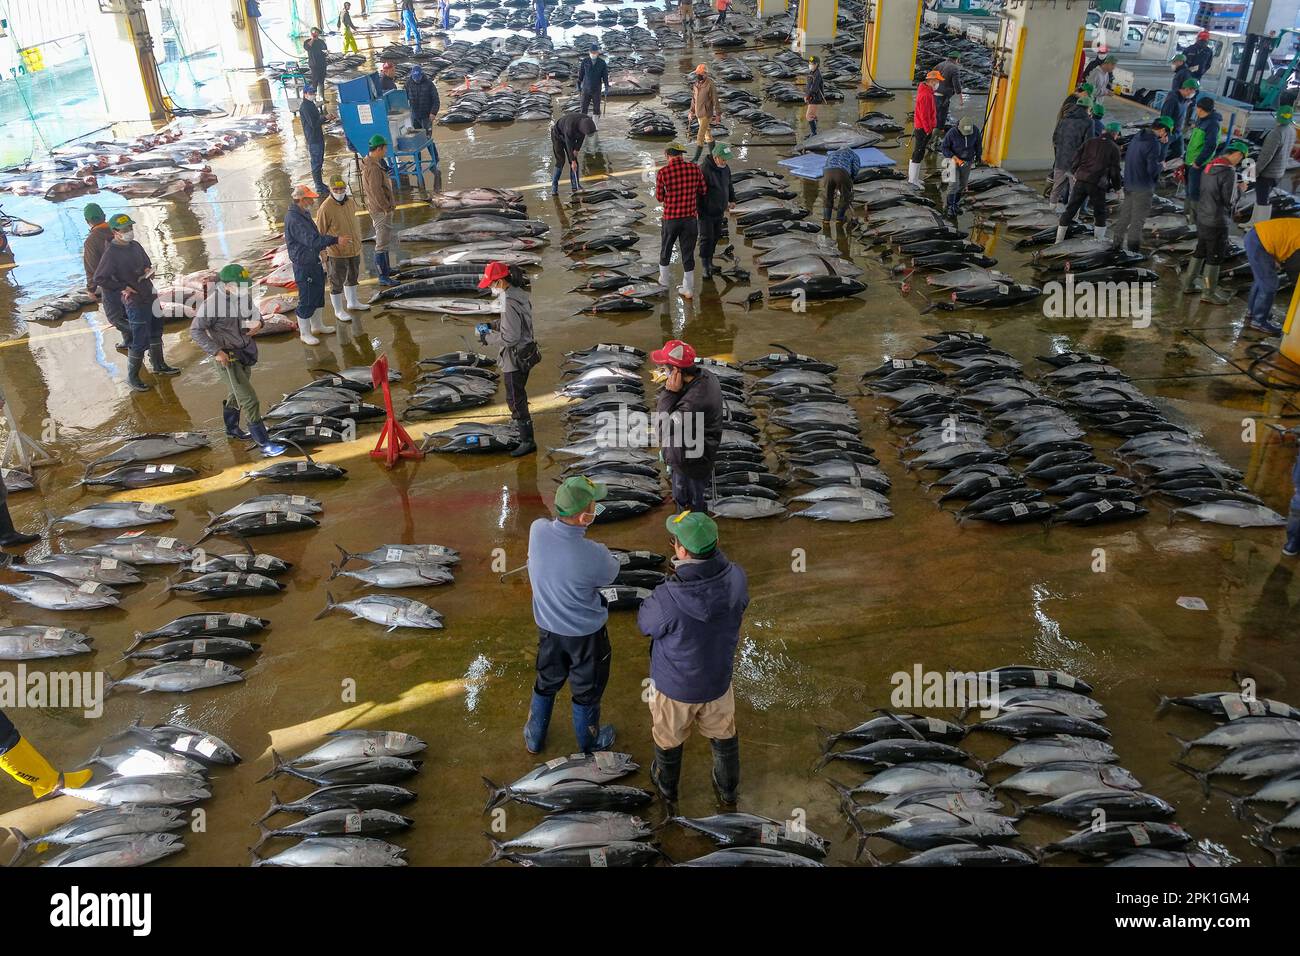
(1258, 82)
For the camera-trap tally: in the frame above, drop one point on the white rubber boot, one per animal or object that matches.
(340, 310)
(1099, 232)
(665, 276)
(914, 174)
(1261, 212)
(1061, 232)
(353, 295)
(318, 325)
(304, 332)
(687, 289)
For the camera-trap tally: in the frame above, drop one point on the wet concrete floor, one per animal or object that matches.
(819, 647)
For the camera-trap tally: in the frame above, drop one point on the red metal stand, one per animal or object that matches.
(394, 442)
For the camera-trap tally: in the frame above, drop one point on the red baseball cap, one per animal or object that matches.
(1203, 35)
(492, 272)
(675, 353)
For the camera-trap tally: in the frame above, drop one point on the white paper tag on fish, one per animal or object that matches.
(263, 561)
(200, 646)
(1193, 603)
(352, 823)
(183, 743)
(213, 664)
(297, 499)
(88, 587)
(108, 564)
(557, 762)
(1018, 509)
(599, 856)
(392, 555)
(239, 620)
(166, 544)
(1139, 835)
(205, 747)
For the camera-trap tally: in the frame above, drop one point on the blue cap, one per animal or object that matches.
(309, 88)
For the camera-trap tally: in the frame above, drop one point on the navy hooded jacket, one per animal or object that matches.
(693, 621)
(305, 242)
(1143, 161)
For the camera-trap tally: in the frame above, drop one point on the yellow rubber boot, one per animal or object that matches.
(25, 764)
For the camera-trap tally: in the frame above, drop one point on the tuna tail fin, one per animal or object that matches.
(828, 738)
(1163, 704)
(1235, 801)
(275, 807)
(330, 604)
(1200, 775)
(1185, 744)
(93, 758)
(1269, 845)
(335, 571)
(344, 556)
(277, 766)
(264, 834)
(25, 843)
(139, 639)
(826, 757)
(134, 726)
(847, 803)
(256, 860)
(496, 795)
(498, 850)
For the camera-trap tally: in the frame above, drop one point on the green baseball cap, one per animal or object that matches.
(121, 221)
(1238, 146)
(235, 273)
(1178, 58)
(377, 141)
(1165, 121)
(722, 150)
(1191, 83)
(94, 213)
(1111, 58)
(1085, 102)
(1284, 116)
(1098, 109)
(1112, 127)
(1087, 87)
(675, 147)
(575, 495)
(696, 531)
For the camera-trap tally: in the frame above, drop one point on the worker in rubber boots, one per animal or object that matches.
(305, 244)
(1143, 161)
(92, 250)
(25, 764)
(381, 202)
(567, 573)
(1270, 245)
(126, 271)
(337, 215)
(1219, 191)
(690, 412)
(693, 622)
(224, 326)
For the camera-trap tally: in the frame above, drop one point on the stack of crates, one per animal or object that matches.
(1225, 16)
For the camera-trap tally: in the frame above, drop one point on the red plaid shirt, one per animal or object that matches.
(678, 186)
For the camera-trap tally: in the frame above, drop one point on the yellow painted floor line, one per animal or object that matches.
(336, 454)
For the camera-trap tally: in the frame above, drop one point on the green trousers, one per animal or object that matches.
(239, 381)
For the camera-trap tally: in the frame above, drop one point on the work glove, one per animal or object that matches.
(482, 329)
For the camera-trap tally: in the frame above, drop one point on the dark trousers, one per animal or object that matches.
(942, 104)
(582, 661)
(517, 395)
(316, 151)
(318, 81)
(710, 231)
(1211, 241)
(1263, 190)
(116, 314)
(691, 494)
(146, 324)
(919, 141)
(837, 181)
(1263, 267)
(958, 186)
(684, 233)
(592, 100)
(1086, 191)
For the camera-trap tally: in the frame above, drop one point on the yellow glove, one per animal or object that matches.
(25, 764)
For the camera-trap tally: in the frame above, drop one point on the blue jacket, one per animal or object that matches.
(313, 127)
(693, 621)
(567, 572)
(593, 75)
(965, 148)
(1142, 161)
(1200, 56)
(1175, 107)
(303, 238)
(845, 159)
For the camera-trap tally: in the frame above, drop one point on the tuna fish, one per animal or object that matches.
(345, 796)
(135, 849)
(388, 610)
(337, 851)
(181, 677)
(600, 767)
(32, 643)
(118, 514)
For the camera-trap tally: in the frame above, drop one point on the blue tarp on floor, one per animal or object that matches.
(812, 165)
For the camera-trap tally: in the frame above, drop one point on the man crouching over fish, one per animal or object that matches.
(567, 572)
(693, 622)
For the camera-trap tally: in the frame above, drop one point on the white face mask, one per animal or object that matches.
(339, 195)
(125, 235)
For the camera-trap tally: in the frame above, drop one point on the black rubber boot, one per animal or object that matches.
(230, 414)
(708, 268)
(526, 444)
(133, 366)
(666, 771)
(726, 769)
(10, 537)
(157, 364)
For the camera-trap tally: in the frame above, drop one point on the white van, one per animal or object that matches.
(1122, 33)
